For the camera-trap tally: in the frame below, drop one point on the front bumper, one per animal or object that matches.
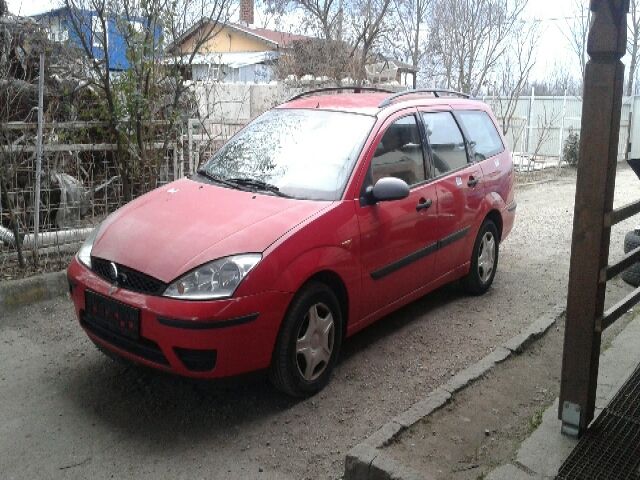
(238, 334)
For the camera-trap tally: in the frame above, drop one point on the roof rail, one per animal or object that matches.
(435, 91)
(337, 89)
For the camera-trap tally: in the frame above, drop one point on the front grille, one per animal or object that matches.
(128, 278)
(142, 347)
(610, 447)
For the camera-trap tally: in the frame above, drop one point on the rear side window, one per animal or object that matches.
(446, 142)
(399, 153)
(483, 137)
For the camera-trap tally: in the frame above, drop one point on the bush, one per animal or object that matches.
(571, 149)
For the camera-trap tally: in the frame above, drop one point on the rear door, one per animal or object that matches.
(487, 148)
(459, 188)
(398, 238)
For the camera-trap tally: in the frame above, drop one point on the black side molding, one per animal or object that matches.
(418, 254)
(403, 262)
(207, 324)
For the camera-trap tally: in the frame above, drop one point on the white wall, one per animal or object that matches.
(239, 102)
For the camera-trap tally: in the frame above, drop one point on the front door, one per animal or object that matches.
(398, 238)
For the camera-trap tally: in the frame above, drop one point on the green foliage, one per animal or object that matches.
(571, 149)
(535, 420)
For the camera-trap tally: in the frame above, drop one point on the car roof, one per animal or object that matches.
(369, 102)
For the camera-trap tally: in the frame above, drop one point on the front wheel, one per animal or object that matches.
(484, 260)
(309, 342)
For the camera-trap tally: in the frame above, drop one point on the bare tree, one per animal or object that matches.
(559, 81)
(633, 43)
(513, 77)
(356, 26)
(469, 38)
(325, 16)
(269, 13)
(577, 31)
(149, 89)
(409, 16)
(367, 21)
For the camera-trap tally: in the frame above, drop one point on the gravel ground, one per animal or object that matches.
(69, 412)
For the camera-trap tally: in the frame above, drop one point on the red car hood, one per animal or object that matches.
(180, 226)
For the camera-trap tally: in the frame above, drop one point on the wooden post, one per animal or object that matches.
(601, 109)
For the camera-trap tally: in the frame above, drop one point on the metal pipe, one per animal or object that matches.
(36, 207)
(47, 239)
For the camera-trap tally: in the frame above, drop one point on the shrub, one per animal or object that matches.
(571, 149)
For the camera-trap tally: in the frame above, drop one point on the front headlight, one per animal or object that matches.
(84, 254)
(217, 279)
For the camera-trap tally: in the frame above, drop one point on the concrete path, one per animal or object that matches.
(541, 455)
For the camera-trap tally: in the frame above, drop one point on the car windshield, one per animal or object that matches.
(307, 154)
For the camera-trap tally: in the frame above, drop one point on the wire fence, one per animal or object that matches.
(79, 184)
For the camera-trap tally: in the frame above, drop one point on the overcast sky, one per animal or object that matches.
(552, 47)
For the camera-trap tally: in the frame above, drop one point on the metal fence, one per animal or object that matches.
(539, 127)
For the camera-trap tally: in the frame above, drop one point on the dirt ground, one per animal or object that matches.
(483, 426)
(69, 412)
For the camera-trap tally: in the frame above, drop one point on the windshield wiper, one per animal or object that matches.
(215, 178)
(258, 184)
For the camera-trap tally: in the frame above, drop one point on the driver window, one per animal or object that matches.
(399, 153)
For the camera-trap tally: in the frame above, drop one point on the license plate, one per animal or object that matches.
(112, 315)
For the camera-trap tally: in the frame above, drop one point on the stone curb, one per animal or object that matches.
(366, 462)
(18, 293)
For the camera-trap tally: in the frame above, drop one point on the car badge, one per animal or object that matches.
(113, 272)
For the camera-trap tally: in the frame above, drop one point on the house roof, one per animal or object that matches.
(271, 37)
(281, 38)
(50, 13)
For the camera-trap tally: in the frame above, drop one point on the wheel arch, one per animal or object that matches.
(332, 280)
(495, 216)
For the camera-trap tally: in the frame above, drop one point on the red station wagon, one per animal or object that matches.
(318, 218)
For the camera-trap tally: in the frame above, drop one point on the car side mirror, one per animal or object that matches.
(387, 189)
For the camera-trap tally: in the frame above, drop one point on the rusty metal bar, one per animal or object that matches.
(621, 265)
(619, 309)
(622, 213)
(600, 127)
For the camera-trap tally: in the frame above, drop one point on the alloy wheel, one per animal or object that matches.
(315, 341)
(486, 257)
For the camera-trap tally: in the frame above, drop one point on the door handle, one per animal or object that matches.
(473, 182)
(423, 204)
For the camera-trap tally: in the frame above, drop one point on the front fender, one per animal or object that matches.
(337, 260)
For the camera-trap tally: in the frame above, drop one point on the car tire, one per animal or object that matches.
(484, 260)
(308, 344)
(632, 274)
